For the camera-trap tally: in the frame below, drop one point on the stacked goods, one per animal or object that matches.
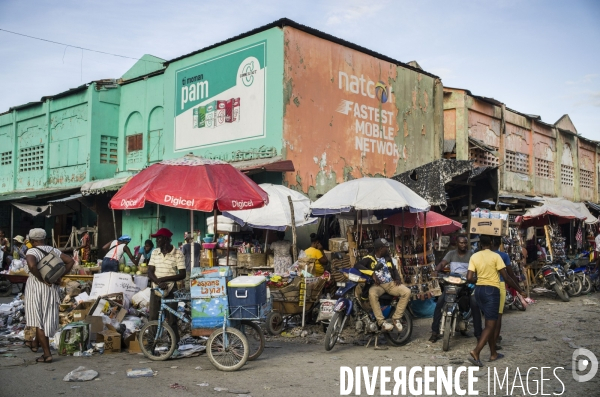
(512, 246)
(416, 269)
(337, 265)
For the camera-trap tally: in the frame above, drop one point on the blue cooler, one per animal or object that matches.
(246, 295)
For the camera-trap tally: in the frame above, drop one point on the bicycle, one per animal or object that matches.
(227, 348)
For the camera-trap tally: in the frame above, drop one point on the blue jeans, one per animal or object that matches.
(109, 265)
(488, 299)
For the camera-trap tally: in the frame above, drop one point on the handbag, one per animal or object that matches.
(51, 267)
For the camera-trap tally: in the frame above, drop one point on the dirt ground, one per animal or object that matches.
(543, 336)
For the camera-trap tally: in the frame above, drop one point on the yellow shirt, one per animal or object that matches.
(316, 254)
(487, 264)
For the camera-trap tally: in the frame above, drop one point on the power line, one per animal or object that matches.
(74, 46)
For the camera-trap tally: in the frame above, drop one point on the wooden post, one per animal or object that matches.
(157, 217)
(469, 215)
(294, 248)
(114, 224)
(193, 243)
(548, 242)
(215, 224)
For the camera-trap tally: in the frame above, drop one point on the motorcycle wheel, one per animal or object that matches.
(334, 330)
(586, 283)
(560, 291)
(575, 286)
(401, 338)
(447, 333)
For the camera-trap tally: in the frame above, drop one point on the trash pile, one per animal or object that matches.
(12, 318)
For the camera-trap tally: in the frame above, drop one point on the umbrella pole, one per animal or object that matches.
(192, 257)
(114, 224)
(215, 224)
(157, 216)
(425, 238)
(294, 248)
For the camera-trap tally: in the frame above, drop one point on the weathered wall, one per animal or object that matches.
(348, 114)
(544, 153)
(104, 119)
(7, 153)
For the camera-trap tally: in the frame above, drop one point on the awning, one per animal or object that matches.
(104, 185)
(593, 206)
(579, 208)
(34, 194)
(273, 164)
(33, 210)
(69, 198)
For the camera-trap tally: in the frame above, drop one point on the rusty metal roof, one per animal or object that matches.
(283, 22)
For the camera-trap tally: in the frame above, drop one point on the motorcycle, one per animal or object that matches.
(512, 300)
(583, 272)
(456, 312)
(552, 277)
(349, 305)
(571, 281)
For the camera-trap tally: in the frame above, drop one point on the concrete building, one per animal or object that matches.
(534, 157)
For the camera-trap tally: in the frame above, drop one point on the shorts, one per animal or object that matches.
(488, 299)
(502, 297)
(109, 265)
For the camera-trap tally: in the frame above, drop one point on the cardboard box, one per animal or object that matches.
(82, 310)
(130, 339)
(111, 282)
(134, 347)
(96, 326)
(338, 244)
(107, 306)
(491, 227)
(111, 340)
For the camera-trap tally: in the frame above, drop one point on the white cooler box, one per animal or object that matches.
(224, 224)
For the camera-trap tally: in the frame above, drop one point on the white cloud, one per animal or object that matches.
(351, 11)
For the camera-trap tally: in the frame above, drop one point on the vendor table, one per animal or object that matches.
(18, 280)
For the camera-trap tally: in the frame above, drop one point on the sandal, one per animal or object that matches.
(44, 359)
(29, 344)
(498, 357)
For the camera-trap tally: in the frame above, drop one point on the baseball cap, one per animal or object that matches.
(163, 232)
(380, 242)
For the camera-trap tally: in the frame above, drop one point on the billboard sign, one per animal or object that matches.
(222, 99)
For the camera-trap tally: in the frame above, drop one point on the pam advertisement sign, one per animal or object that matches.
(222, 99)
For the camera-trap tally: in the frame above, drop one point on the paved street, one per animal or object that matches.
(545, 335)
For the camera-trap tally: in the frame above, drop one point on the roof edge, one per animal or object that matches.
(283, 22)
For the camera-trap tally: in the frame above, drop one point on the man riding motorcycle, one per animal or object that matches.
(379, 266)
(459, 262)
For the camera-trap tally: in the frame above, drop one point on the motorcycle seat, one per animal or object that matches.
(387, 297)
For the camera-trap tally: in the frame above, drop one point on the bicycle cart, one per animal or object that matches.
(8, 280)
(233, 338)
(288, 303)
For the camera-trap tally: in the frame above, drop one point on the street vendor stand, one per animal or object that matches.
(192, 183)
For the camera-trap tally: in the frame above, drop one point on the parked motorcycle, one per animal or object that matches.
(349, 305)
(552, 277)
(571, 281)
(512, 300)
(583, 272)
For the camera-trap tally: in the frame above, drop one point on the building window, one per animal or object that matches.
(544, 168)
(6, 158)
(31, 158)
(586, 178)
(517, 162)
(566, 175)
(108, 149)
(134, 143)
(482, 157)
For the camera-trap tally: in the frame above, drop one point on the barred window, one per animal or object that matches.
(31, 158)
(108, 149)
(566, 175)
(586, 178)
(544, 168)
(483, 157)
(517, 162)
(6, 158)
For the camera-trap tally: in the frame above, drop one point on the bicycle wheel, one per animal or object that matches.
(231, 356)
(154, 347)
(256, 338)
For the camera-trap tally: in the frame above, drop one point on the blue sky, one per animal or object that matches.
(538, 57)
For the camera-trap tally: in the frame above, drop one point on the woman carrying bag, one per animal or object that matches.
(41, 298)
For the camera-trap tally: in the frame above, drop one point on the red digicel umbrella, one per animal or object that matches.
(434, 219)
(192, 183)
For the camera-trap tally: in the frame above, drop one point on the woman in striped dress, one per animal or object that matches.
(41, 299)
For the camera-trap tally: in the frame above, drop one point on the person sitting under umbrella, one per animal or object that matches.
(385, 275)
(315, 251)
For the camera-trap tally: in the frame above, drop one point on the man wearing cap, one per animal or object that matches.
(118, 247)
(166, 267)
(387, 279)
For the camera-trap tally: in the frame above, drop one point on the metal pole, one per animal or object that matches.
(294, 248)
(12, 222)
(424, 238)
(192, 244)
(114, 224)
(157, 217)
(469, 215)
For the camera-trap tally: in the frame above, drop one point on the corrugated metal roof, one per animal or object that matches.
(281, 23)
(68, 198)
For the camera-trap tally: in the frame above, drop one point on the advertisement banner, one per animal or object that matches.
(222, 99)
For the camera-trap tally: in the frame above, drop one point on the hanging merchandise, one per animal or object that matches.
(513, 247)
(417, 263)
